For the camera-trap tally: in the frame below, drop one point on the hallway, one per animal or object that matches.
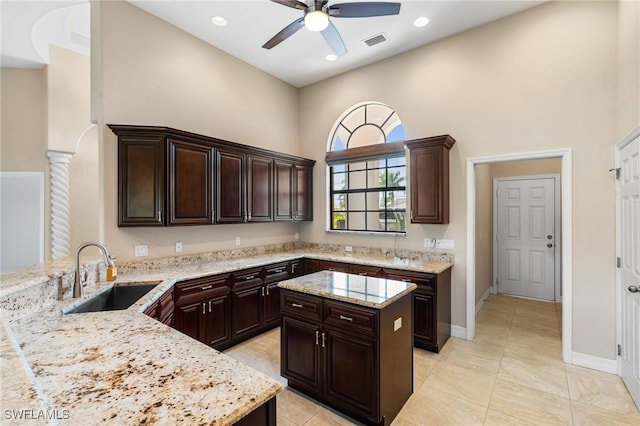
(511, 374)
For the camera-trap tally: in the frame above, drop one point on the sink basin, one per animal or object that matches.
(116, 298)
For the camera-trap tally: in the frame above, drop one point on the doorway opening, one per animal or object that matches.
(473, 168)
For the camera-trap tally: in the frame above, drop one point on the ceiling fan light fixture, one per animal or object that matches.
(316, 20)
(331, 57)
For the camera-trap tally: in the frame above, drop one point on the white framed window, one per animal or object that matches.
(367, 171)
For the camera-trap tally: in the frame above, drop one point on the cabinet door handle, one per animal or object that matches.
(213, 216)
(342, 317)
(204, 308)
(250, 277)
(249, 216)
(323, 340)
(297, 305)
(209, 305)
(317, 336)
(262, 291)
(267, 290)
(411, 214)
(362, 274)
(207, 287)
(406, 280)
(159, 215)
(331, 269)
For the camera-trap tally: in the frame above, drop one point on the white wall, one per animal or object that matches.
(539, 80)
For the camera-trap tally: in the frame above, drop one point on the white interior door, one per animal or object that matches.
(525, 237)
(629, 217)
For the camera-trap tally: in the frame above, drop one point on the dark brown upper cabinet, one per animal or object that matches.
(141, 182)
(169, 177)
(293, 191)
(429, 178)
(245, 187)
(190, 175)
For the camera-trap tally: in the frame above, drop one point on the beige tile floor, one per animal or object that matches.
(510, 374)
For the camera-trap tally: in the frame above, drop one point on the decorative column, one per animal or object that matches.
(60, 211)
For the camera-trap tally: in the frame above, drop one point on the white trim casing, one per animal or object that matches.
(567, 237)
(635, 132)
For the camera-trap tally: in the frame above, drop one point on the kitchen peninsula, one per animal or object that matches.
(127, 365)
(347, 341)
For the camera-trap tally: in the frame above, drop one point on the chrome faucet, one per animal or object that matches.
(77, 283)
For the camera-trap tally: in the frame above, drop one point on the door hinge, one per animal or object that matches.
(619, 350)
(618, 262)
(618, 171)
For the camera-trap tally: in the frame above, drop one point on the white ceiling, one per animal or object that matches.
(299, 60)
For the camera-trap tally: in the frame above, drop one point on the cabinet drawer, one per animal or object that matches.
(298, 304)
(367, 271)
(350, 318)
(200, 288)
(276, 272)
(425, 282)
(334, 266)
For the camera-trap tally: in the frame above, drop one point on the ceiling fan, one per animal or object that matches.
(316, 18)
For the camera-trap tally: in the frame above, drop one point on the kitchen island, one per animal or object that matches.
(347, 341)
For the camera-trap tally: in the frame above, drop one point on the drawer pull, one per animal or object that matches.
(406, 280)
(362, 273)
(277, 271)
(297, 305)
(206, 287)
(331, 269)
(342, 317)
(250, 277)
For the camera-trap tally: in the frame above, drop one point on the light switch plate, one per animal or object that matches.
(237, 241)
(444, 244)
(178, 246)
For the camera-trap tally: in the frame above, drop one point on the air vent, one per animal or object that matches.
(376, 39)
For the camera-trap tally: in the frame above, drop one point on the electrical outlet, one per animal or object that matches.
(348, 249)
(178, 247)
(430, 242)
(237, 241)
(141, 250)
(296, 236)
(444, 244)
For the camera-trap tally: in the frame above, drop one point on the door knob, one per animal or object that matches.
(549, 245)
(633, 289)
(549, 237)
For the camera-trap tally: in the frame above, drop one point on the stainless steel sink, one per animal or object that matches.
(116, 298)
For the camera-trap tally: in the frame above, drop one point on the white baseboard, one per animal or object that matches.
(459, 332)
(482, 299)
(594, 362)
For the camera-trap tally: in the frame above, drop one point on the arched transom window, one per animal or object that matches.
(367, 170)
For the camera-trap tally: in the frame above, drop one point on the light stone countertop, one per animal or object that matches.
(360, 290)
(122, 366)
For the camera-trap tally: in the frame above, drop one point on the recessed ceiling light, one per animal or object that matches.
(219, 21)
(421, 21)
(331, 57)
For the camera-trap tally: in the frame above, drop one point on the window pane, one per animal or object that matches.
(339, 181)
(357, 201)
(397, 161)
(357, 166)
(374, 222)
(354, 119)
(358, 180)
(340, 138)
(397, 200)
(357, 221)
(338, 221)
(339, 202)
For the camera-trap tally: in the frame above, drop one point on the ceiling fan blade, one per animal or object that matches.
(285, 33)
(363, 10)
(292, 3)
(333, 39)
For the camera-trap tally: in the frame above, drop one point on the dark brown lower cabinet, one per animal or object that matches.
(203, 310)
(431, 306)
(362, 368)
(264, 415)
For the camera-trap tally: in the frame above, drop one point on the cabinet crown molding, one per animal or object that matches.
(445, 140)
